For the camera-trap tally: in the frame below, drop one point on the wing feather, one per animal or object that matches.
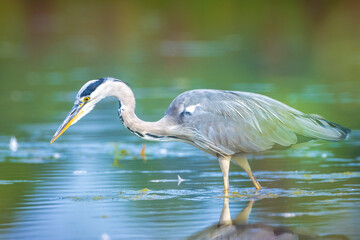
(227, 122)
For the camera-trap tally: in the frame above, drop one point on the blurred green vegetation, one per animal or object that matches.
(48, 48)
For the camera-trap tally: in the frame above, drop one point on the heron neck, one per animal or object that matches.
(130, 119)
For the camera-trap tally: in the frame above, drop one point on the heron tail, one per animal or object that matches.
(315, 126)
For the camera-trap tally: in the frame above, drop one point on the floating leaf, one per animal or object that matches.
(123, 152)
(98, 198)
(306, 175)
(351, 173)
(272, 195)
(297, 192)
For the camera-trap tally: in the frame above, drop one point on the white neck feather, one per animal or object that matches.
(148, 130)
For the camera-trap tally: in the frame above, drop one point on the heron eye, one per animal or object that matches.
(86, 99)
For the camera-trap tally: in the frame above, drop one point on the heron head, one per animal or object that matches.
(90, 94)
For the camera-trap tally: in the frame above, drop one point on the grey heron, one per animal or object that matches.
(226, 124)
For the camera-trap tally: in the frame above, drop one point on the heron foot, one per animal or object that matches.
(255, 182)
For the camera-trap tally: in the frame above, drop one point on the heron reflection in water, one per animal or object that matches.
(226, 124)
(239, 228)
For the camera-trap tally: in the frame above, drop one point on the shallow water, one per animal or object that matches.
(85, 187)
(92, 183)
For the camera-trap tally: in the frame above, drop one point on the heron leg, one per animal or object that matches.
(241, 160)
(224, 162)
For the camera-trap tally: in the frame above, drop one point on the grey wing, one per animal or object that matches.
(227, 122)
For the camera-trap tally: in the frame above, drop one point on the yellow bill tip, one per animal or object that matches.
(63, 128)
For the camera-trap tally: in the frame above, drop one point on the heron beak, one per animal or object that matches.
(71, 118)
